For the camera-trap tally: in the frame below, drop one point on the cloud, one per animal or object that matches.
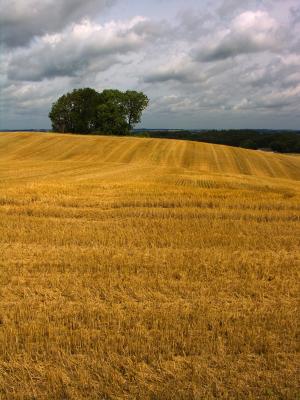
(19, 100)
(187, 72)
(250, 32)
(22, 20)
(183, 72)
(228, 7)
(281, 100)
(295, 15)
(164, 76)
(220, 64)
(193, 23)
(83, 46)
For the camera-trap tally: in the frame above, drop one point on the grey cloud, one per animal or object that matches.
(231, 7)
(158, 30)
(68, 66)
(21, 20)
(249, 32)
(75, 50)
(228, 7)
(183, 76)
(165, 58)
(192, 24)
(278, 101)
(275, 74)
(232, 46)
(188, 72)
(295, 15)
(22, 98)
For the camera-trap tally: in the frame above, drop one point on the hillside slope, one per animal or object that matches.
(147, 269)
(147, 152)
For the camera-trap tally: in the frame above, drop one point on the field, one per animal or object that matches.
(147, 269)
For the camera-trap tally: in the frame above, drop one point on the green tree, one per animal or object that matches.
(120, 111)
(248, 144)
(111, 114)
(60, 115)
(75, 112)
(86, 111)
(134, 105)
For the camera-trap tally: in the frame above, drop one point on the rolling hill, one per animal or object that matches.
(146, 269)
(200, 157)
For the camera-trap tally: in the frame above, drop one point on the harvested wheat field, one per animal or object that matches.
(147, 269)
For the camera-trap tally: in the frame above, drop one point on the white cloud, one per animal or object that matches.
(249, 32)
(259, 22)
(76, 49)
(22, 20)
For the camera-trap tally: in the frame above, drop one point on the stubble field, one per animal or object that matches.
(147, 269)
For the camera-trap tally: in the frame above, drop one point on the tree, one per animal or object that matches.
(111, 113)
(60, 115)
(134, 105)
(75, 112)
(86, 111)
(119, 111)
(248, 144)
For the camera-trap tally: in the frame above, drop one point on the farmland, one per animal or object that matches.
(136, 268)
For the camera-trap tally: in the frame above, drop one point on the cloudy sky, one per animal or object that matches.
(202, 63)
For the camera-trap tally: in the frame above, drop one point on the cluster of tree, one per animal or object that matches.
(283, 142)
(87, 111)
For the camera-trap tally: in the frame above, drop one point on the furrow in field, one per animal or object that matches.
(184, 155)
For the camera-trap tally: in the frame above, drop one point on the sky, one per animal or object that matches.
(204, 64)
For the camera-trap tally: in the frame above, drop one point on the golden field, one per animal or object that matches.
(147, 269)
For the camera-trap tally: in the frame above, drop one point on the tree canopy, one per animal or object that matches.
(87, 111)
(279, 141)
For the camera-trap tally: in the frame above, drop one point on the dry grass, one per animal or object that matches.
(146, 269)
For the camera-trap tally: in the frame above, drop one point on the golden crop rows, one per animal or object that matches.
(147, 269)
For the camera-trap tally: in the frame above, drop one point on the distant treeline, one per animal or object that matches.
(282, 142)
